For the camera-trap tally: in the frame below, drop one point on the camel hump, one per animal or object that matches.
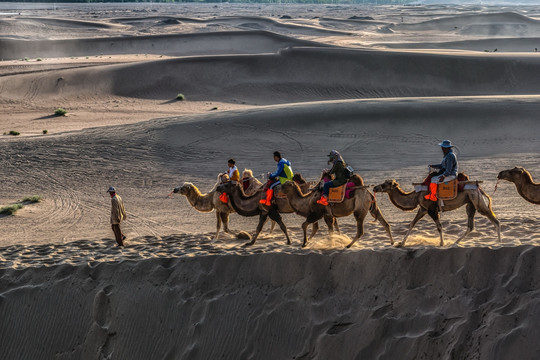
(463, 177)
(357, 180)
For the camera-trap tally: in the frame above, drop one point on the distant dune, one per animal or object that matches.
(297, 74)
(239, 42)
(525, 45)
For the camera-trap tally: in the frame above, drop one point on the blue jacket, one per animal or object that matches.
(280, 172)
(449, 165)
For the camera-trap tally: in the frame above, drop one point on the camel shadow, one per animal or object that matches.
(48, 117)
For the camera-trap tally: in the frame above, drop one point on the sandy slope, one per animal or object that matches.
(381, 84)
(424, 304)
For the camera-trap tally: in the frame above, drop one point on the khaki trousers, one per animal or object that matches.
(118, 234)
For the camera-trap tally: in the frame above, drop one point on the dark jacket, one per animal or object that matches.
(341, 175)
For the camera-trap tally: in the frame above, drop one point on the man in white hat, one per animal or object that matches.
(118, 213)
(448, 169)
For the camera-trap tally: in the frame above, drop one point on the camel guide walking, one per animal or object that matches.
(283, 174)
(448, 169)
(118, 214)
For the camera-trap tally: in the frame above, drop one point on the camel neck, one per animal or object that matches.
(402, 199)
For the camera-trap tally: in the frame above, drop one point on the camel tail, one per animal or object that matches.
(373, 208)
(488, 198)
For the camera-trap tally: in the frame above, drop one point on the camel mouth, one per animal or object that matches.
(176, 190)
(377, 188)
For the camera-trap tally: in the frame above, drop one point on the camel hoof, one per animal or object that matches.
(398, 245)
(248, 244)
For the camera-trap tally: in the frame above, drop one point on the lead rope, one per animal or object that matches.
(496, 186)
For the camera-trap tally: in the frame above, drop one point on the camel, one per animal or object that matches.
(359, 205)
(411, 200)
(206, 203)
(250, 206)
(526, 187)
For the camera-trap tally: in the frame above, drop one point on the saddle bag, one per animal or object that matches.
(447, 190)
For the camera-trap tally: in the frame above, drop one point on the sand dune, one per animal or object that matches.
(477, 20)
(435, 304)
(372, 134)
(292, 75)
(524, 45)
(301, 79)
(251, 42)
(245, 22)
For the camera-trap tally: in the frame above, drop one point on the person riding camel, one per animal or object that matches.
(283, 174)
(250, 184)
(233, 175)
(448, 169)
(340, 172)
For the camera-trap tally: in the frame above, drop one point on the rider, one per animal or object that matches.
(448, 169)
(340, 172)
(281, 175)
(233, 175)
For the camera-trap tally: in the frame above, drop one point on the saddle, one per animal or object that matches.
(448, 190)
(340, 193)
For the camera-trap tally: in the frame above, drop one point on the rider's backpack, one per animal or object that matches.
(349, 171)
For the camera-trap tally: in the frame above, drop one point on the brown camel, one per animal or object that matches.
(250, 206)
(360, 204)
(409, 201)
(526, 187)
(206, 203)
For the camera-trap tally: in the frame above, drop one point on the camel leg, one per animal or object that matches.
(263, 217)
(376, 213)
(336, 226)
(314, 230)
(471, 210)
(420, 214)
(359, 216)
(275, 215)
(272, 226)
(218, 225)
(225, 221)
(488, 212)
(311, 219)
(433, 212)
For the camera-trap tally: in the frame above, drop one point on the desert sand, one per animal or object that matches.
(383, 85)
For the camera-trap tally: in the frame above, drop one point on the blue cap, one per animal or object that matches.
(333, 153)
(446, 144)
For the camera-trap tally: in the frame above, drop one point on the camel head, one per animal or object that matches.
(299, 179)
(386, 186)
(512, 175)
(184, 189)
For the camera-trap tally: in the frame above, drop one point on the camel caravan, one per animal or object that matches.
(340, 192)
